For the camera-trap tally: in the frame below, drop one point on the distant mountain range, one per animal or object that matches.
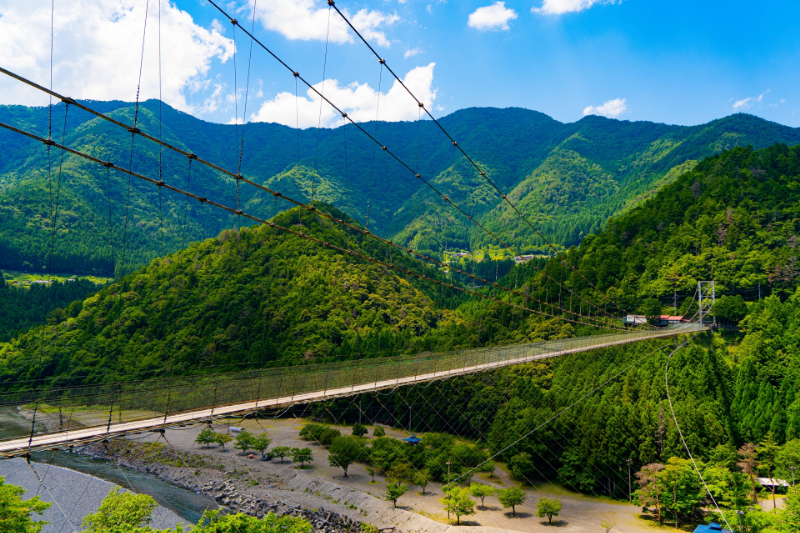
(568, 178)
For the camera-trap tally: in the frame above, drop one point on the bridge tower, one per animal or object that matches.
(707, 298)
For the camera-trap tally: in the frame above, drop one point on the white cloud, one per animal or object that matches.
(559, 7)
(97, 49)
(493, 17)
(411, 52)
(359, 101)
(610, 109)
(303, 20)
(217, 26)
(747, 103)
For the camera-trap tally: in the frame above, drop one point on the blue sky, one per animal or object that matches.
(677, 61)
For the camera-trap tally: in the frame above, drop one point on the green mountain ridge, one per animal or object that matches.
(567, 178)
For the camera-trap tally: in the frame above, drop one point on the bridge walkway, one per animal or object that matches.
(94, 413)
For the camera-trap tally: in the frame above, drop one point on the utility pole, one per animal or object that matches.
(448, 492)
(675, 301)
(792, 468)
(630, 494)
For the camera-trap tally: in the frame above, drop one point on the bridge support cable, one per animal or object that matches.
(456, 431)
(455, 144)
(43, 486)
(373, 138)
(508, 424)
(319, 117)
(576, 402)
(116, 463)
(581, 439)
(429, 455)
(592, 321)
(680, 433)
(483, 436)
(54, 224)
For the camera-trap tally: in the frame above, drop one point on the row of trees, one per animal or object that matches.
(245, 441)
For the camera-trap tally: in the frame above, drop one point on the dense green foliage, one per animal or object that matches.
(16, 515)
(569, 178)
(735, 219)
(259, 296)
(124, 512)
(23, 308)
(247, 297)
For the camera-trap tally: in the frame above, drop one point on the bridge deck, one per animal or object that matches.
(297, 394)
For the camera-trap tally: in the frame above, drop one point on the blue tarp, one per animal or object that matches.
(711, 528)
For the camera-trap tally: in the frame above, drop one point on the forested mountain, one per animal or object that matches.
(735, 219)
(256, 296)
(251, 296)
(569, 178)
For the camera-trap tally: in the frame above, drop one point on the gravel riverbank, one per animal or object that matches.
(75, 493)
(256, 488)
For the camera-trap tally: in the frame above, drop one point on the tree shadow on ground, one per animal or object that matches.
(520, 514)
(556, 523)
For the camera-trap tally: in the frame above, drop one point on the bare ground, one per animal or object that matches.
(320, 486)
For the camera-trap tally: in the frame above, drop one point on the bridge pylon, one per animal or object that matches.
(707, 298)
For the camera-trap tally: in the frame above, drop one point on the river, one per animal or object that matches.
(186, 504)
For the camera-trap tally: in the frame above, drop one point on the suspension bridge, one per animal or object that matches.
(73, 415)
(60, 417)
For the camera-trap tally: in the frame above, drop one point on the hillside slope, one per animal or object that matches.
(251, 296)
(569, 178)
(734, 218)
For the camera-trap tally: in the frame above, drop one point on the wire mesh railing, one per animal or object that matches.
(115, 407)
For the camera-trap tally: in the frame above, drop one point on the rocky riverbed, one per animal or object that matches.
(231, 488)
